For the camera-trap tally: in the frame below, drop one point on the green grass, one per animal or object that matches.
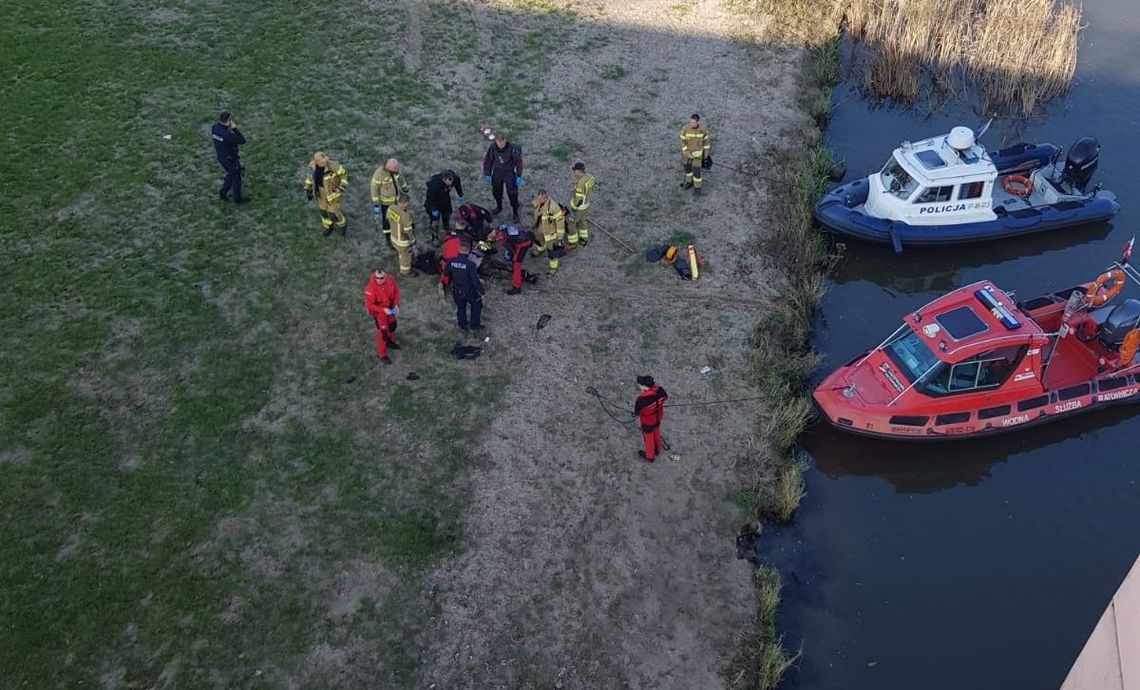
(761, 661)
(563, 151)
(613, 72)
(179, 431)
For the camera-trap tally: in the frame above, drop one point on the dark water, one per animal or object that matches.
(980, 564)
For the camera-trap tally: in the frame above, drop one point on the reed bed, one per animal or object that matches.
(1016, 54)
(762, 659)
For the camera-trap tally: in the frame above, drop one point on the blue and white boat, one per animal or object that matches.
(948, 189)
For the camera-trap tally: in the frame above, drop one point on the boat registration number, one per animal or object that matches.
(952, 208)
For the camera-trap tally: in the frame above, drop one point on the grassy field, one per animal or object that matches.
(184, 471)
(205, 482)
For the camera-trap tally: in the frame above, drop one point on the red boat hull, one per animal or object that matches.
(879, 394)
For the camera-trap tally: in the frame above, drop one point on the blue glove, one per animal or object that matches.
(486, 179)
(506, 255)
(376, 209)
(460, 201)
(518, 181)
(572, 216)
(435, 213)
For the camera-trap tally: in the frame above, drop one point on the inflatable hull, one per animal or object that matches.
(840, 212)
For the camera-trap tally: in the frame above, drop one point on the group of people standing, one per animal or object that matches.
(554, 231)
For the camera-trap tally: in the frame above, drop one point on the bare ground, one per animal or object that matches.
(585, 566)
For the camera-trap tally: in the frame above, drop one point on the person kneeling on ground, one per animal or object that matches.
(514, 242)
(382, 302)
(452, 247)
(649, 408)
(466, 289)
(477, 219)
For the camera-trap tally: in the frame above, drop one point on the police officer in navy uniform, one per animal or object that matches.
(466, 288)
(227, 139)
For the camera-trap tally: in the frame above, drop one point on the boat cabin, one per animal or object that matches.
(948, 179)
(968, 341)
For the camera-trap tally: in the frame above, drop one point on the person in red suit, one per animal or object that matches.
(515, 243)
(382, 301)
(451, 246)
(649, 408)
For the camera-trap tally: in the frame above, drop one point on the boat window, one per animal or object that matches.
(1113, 384)
(909, 420)
(961, 323)
(952, 418)
(971, 190)
(1073, 392)
(991, 412)
(1032, 403)
(987, 370)
(934, 194)
(897, 180)
(930, 160)
(909, 354)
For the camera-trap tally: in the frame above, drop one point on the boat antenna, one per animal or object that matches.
(984, 128)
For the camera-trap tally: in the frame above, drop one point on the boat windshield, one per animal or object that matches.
(910, 355)
(897, 180)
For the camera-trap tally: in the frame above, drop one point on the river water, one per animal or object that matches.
(976, 564)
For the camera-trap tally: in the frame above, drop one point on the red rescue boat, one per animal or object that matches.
(974, 362)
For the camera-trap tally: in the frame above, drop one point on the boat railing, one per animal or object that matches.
(1129, 271)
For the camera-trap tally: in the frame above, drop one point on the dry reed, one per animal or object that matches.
(1017, 54)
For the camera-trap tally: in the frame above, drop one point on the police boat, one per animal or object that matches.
(948, 189)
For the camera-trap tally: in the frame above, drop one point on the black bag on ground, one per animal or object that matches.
(426, 263)
(682, 268)
(656, 254)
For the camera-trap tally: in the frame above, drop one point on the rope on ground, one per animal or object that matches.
(610, 235)
(603, 401)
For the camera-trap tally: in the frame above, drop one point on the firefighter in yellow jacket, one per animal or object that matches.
(549, 229)
(695, 152)
(387, 185)
(402, 227)
(577, 232)
(326, 181)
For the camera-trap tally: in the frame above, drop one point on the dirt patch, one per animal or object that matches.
(19, 455)
(588, 567)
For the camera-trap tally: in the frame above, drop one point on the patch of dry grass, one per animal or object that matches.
(1016, 54)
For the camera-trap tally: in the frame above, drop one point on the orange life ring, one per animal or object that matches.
(1129, 347)
(1017, 185)
(1097, 295)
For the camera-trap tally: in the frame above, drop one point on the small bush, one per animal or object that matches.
(787, 492)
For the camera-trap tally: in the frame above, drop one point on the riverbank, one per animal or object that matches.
(876, 547)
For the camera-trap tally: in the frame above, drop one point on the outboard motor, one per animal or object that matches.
(1123, 318)
(1081, 164)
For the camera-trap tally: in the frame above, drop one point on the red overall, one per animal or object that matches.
(517, 244)
(650, 409)
(448, 251)
(379, 296)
